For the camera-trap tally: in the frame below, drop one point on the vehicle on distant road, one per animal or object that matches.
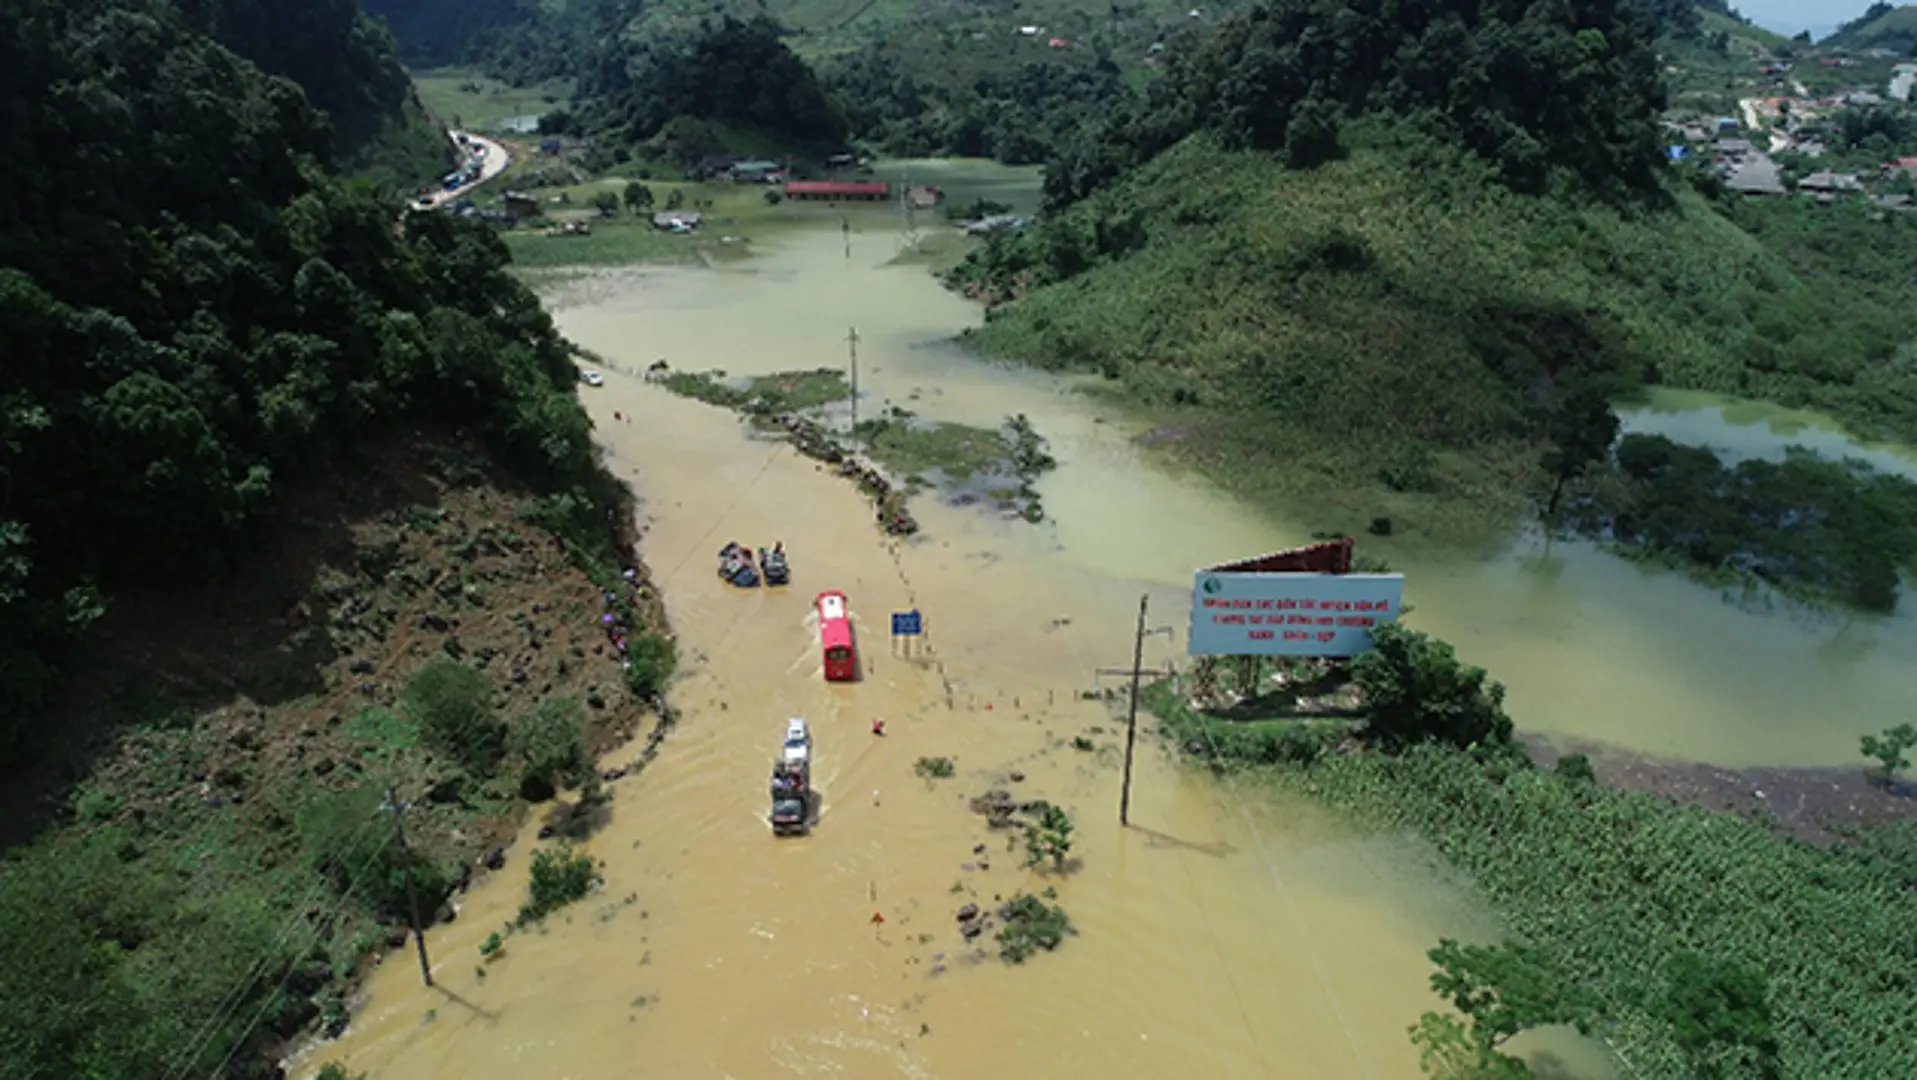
(593, 378)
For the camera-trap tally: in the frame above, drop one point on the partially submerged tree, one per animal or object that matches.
(1581, 428)
(1888, 748)
(1417, 690)
(1050, 837)
(1499, 991)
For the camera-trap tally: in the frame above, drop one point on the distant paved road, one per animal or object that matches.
(490, 167)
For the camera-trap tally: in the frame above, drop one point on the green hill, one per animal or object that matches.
(350, 70)
(1396, 326)
(1882, 26)
(1371, 333)
(211, 346)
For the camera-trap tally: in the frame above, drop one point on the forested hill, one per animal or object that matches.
(1537, 89)
(435, 33)
(349, 67)
(194, 317)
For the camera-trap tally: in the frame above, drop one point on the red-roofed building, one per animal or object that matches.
(836, 189)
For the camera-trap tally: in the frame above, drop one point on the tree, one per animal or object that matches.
(1719, 1011)
(1447, 1051)
(1888, 748)
(453, 706)
(606, 203)
(1581, 428)
(675, 199)
(550, 744)
(1416, 690)
(1048, 838)
(638, 197)
(1499, 990)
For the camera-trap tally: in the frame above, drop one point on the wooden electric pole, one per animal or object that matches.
(406, 873)
(1131, 721)
(852, 343)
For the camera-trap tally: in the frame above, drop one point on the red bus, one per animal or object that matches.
(835, 635)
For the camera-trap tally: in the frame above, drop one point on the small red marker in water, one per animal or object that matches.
(878, 919)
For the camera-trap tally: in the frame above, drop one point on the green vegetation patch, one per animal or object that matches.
(1641, 920)
(467, 99)
(611, 243)
(934, 768)
(560, 876)
(910, 447)
(1028, 924)
(779, 392)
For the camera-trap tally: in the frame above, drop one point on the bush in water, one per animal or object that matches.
(560, 875)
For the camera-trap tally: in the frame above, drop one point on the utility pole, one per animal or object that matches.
(852, 342)
(412, 901)
(1131, 722)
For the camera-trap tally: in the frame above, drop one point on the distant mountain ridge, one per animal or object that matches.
(1881, 26)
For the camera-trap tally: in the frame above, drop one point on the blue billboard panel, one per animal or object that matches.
(1290, 614)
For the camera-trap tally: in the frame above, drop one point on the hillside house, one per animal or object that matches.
(713, 165)
(1756, 176)
(520, 206)
(679, 221)
(1830, 183)
(757, 172)
(924, 197)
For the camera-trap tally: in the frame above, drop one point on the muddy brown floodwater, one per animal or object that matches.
(1228, 936)
(1231, 934)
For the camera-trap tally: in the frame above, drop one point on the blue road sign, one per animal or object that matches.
(907, 624)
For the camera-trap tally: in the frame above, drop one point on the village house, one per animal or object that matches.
(714, 165)
(520, 206)
(924, 197)
(757, 172)
(1756, 176)
(1830, 182)
(679, 221)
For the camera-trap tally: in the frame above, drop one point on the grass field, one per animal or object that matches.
(463, 98)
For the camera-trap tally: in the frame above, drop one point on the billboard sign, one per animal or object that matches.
(1290, 614)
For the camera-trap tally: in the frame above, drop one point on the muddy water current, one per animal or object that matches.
(1228, 934)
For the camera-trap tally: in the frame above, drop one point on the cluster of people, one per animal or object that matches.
(614, 621)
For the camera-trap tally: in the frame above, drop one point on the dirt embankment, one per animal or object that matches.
(1816, 805)
(230, 700)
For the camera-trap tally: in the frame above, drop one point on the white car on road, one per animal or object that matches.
(593, 378)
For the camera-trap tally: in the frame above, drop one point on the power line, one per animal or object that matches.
(231, 1001)
(1218, 953)
(1291, 906)
(266, 1002)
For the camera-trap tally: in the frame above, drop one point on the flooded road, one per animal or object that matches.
(1590, 646)
(1229, 935)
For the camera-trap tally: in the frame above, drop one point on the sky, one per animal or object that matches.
(1789, 16)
